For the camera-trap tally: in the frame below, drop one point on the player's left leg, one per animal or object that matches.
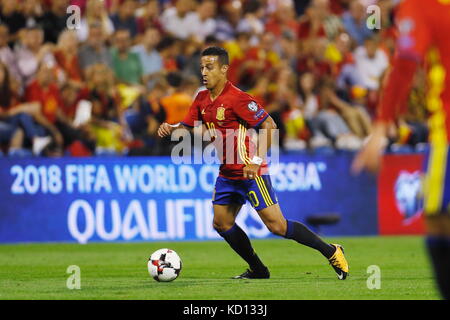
(264, 200)
(224, 223)
(228, 199)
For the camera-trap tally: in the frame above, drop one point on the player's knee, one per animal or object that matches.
(276, 227)
(221, 226)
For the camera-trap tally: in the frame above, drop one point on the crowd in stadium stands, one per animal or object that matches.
(104, 87)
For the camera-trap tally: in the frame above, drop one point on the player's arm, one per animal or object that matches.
(166, 129)
(265, 136)
(255, 116)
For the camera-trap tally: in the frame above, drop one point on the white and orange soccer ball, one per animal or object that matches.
(164, 265)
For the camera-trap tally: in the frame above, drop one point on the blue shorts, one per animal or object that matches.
(259, 192)
(436, 186)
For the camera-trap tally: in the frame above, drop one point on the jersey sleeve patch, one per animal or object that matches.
(252, 106)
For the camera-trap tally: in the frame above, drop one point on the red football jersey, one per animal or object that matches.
(423, 36)
(229, 116)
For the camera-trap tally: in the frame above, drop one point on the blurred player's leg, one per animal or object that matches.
(436, 204)
(224, 223)
(438, 245)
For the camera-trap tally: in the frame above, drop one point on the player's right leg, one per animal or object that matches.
(227, 201)
(263, 198)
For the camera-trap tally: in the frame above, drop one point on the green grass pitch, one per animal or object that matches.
(119, 271)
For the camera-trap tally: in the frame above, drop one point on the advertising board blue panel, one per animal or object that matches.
(151, 199)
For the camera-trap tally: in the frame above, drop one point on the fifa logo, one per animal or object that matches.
(408, 194)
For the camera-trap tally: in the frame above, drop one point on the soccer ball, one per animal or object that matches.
(164, 265)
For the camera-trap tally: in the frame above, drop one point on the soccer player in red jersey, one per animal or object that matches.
(229, 112)
(424, 30)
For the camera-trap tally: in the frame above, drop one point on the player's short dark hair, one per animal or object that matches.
(221, 53)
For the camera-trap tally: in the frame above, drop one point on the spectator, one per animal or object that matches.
(228, 20)
(288, 48)
(172, 107)
(145, 119)
(338, 7)
(100, 85)
(311, 25)
(314, 60)
(371, 63)
(151, 61)
(338, 52)
(126, 64)
(201, 21)
(55, 20)
(330, 122)
(354, 21)
(7, 56)
(283, 19)
(355, 115)
(94, 50)
(150, 18)
(251, 62)
(269, 48)
(66, 55)
(176, 104)
(240, 62)
(307, 91)
(32, 11)
(331, 23)
(43, 90)
(95, 13)
(262, 91)
(175, 20)
(319, 22)
(252, 21)
(106, 121)
(156, 114)
(19, 120)
(168, 49)
(12, 17)
(296, 131)
(125, 18)
(11, 133)
(71, 98)
(32, 52)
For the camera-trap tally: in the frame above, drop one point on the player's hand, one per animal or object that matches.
(369, 158)
(164, 130)
(250, 171)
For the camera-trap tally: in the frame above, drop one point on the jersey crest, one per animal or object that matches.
(220, 115)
